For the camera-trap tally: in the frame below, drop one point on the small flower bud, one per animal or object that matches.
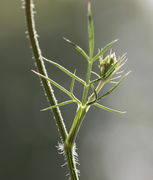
(106, 64)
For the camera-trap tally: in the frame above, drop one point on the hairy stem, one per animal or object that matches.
(71, 162)
(41, 68)
(69, 153)
(70, 141)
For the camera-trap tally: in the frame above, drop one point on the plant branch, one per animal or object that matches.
(41, 68)
(69, 138)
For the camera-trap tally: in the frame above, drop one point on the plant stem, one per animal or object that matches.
(98, 88)
(82, 109)
(70, 141)
(79, 117)
(80, 114)
(69, 152)
(86, 87)
(71, 163)
(41, 68)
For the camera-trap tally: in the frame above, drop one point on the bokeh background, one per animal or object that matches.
(111, 146)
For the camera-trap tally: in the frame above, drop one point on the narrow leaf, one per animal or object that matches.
(72, 84)
(90, 32)
(108, 109)
(66, 71)
(95, 74)
(117, 77)
(119, 72)
(122, 63)
(104, 50)
(54, 83)
(58, 105)
(79, 49)
(113, 88)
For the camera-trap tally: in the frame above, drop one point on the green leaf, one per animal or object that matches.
(72, 84)
(79, 49)
(113, 88)
(90, 31)
(58, 105)
(54, 83)
(108, 109)
(100, 53)
(66, 71)
(95, 74)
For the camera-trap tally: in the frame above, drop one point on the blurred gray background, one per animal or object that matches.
(111, 146)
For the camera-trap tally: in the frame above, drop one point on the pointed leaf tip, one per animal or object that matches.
(70, 42)
(89, 7)
(33, 71)
(116, 40)
(72, 83)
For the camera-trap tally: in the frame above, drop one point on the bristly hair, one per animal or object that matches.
(60, 148)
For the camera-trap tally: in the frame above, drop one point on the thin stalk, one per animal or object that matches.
(86, 87)
(41, 68)
(98, 89)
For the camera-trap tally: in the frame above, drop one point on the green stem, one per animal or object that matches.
(82, 109)
(98, 89)
(41, 68)
(70, 141)
(48, 89)
(69, 153)
(79, 117)
(80, 114)
(86, 87)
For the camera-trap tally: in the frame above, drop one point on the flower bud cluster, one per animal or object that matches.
(107, 64)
